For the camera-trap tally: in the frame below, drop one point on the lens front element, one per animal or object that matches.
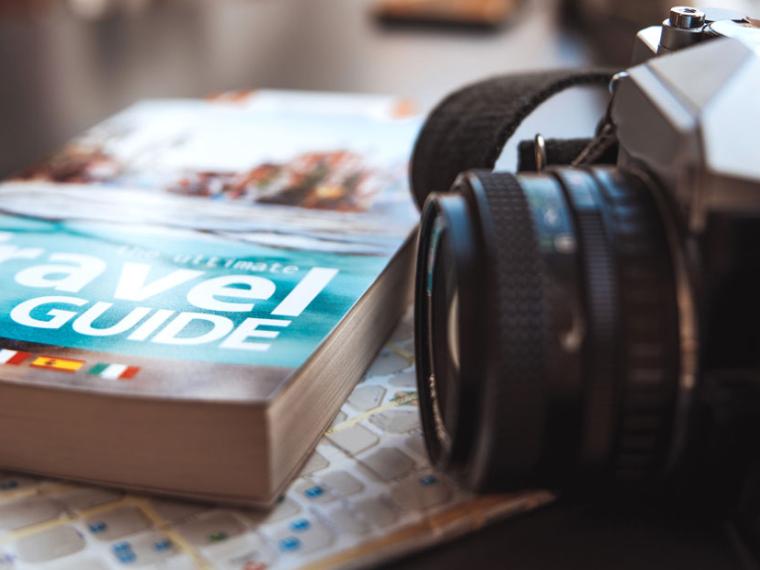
(448, 355)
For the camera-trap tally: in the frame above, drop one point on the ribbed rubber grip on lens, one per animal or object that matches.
(513, 400)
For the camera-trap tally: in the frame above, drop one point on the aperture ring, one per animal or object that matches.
(649, 333)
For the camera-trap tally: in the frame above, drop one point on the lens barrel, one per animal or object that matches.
(547, 334)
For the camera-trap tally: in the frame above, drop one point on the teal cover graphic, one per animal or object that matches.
(57, 275)
(236, 232)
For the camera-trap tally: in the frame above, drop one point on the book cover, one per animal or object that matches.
(201, 249)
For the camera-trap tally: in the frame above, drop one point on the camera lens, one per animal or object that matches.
(547, 339)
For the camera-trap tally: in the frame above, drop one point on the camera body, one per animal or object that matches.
(593, 327)
(690, 121)
(691, 117)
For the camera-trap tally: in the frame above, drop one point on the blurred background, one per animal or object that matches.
(67, 64)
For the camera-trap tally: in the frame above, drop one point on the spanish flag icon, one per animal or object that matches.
(58, 364)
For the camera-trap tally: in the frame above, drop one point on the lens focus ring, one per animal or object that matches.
(600, 349)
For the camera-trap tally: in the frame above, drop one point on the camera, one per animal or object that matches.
(591, 323)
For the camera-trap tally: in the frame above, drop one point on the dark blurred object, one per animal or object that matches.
(97, 9)
(88, 9)
(21, 7)
(459, 13)
(610, 26)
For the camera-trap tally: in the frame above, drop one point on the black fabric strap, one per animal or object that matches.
(470, 127)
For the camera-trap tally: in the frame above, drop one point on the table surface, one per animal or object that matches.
(63, 73)
(582, 537)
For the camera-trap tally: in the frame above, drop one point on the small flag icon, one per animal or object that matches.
(8, 356)
(114, 371)
(57, 364)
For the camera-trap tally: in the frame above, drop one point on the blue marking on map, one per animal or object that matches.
(289, 544)
(300, 525)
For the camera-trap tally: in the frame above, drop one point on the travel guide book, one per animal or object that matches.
(190, 290)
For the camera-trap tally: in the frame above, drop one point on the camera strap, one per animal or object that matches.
(470, 127)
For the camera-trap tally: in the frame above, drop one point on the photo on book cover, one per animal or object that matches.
(202, 235)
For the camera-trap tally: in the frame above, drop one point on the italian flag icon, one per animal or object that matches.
(114, 371)
(8, 356)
